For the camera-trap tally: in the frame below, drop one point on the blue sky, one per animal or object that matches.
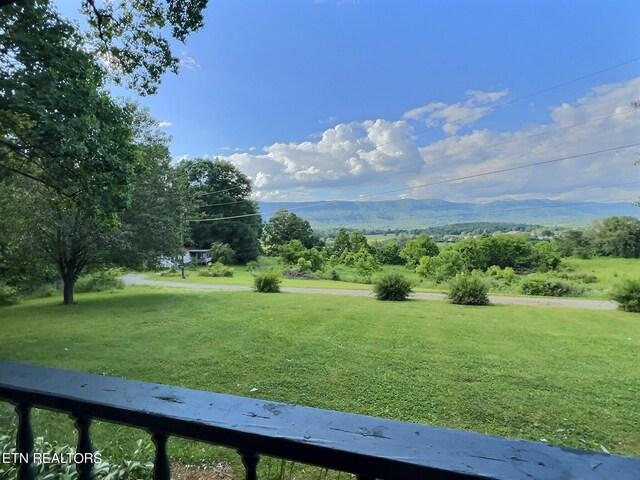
(326, 99)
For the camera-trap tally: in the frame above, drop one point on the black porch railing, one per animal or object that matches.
(365, 446)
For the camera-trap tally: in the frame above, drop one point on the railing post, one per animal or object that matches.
(250, 461)
(85, 466)
(24, 443)
(161, 467)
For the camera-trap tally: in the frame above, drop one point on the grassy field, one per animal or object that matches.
(568, 376)
(609, 272)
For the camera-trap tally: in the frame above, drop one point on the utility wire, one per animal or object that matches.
(471, 150)
(486, 110)
(441, 182)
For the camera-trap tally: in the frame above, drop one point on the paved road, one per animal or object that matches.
(133, 279)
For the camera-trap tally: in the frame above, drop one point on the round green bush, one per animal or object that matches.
(465, 289)
(627, 294)
(392, 286)
(267, 282)
(548, 286)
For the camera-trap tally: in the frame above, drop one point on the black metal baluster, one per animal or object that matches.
(85, 466)
(161, 467)
(250, 461)
(24, 443)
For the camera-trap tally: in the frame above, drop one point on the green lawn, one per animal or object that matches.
(568, 376)
(609, 271)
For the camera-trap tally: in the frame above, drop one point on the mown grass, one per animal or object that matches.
(568, 376)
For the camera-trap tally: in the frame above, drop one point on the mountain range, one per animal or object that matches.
(413, 214)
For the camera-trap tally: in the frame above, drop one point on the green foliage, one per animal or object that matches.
(389, 254)
(340, 243)
(574, 242)
(8, 295)
(136, 466)
(223, 191)
(216, 269)
(414, 250)
(514, 251)
(546, 256)
(58, 126)
(363, 262)
(548, 286)
(131, 35)
(507, 274)
(581, 277)
(467, 289)
(222, 252)
(627, 294)
(306, 259)
(616, 237)
(392, 286)
(443, 267)
(155, 224)
(100, 280)
(267, 282)
(282, 228)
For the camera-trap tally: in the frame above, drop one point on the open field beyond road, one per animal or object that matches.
(568, 376)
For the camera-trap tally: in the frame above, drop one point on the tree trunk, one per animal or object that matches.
(69, 283)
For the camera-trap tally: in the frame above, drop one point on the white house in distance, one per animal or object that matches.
(198, 256)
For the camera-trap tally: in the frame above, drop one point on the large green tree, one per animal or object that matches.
(616, 237)
(72, 158)
(58, 127)
(283, 227)
(156, 221)
(132, 37)
(227, 213)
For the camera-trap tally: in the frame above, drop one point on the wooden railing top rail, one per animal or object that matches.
(366, 446)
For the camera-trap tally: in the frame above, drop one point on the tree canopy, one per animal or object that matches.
(72, 159)
(227, 213)
(131, 37)
(57, 126)
(284, 227)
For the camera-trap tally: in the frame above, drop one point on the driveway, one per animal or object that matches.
(136, 279)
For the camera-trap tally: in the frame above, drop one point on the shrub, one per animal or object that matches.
(296, 273)
(172, 272)
(107, 279)
(267, 282)
(506, 275)
(548, 286)
(579, 277)
(465, 289)
(627, 294)
(392, 286)
(8, 295)
(222, 252)
(216, 270)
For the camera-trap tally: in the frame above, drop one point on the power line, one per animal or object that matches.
(441, 182)
(486, 110)
(473, 149)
